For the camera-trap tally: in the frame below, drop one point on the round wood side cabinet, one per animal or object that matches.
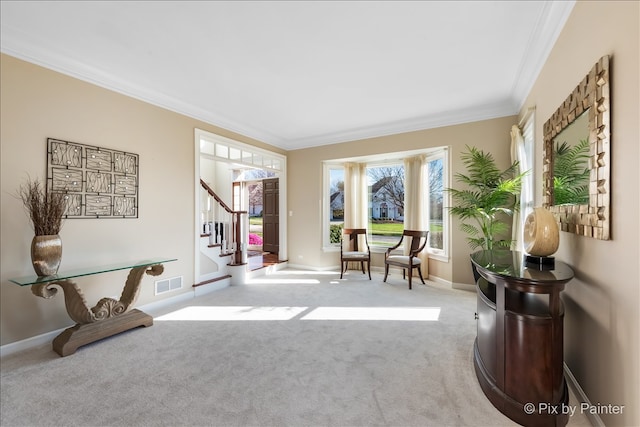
(518, 353)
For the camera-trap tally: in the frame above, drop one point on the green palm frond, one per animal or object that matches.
(489, 193)
(571, 160)
(470, 229)
(475, 243)
(568, 192)
(503, 244)
(499, 227)
(571, 173)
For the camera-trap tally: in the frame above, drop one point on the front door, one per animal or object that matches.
(270, 216)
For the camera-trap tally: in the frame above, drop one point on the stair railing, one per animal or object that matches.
(223, 224)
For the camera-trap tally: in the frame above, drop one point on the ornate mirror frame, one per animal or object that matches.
(592, 94)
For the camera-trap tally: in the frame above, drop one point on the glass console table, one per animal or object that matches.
(109, 316)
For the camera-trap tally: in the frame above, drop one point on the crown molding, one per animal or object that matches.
(550, 23)
(467, 115)
(21, 46)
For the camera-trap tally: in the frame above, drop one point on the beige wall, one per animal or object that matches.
(37, 103)
(305, 188)
(602, 330)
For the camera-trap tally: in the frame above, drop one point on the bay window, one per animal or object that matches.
(369, 192)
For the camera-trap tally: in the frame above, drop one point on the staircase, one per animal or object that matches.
(223, 252)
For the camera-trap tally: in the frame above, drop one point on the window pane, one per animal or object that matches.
(386, 204)
(436, 207)
(246, 156)
(234, 154)
(336, 204)
(222, 151)
(207, 147)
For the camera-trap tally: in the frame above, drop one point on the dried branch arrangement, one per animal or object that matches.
(45, 209)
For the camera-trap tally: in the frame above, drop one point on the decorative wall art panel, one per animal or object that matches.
(99, 182)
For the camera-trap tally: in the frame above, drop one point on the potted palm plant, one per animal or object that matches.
(46, 211)
(490, 196)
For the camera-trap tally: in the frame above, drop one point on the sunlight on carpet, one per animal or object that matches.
(291, 272)
(416, 314)
(281, 281)
(253, 313)
(201, 313)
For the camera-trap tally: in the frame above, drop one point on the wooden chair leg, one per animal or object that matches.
(420, 273)
(386, 272)
(342, 268)
(410, 271)
(362, 266)
(369, 268)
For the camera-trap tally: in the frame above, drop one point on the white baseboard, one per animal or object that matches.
(265, 271)
(29, 343)
(439, 280)
(594, 419)
(277, 267)
(311, 268)
(463, 286)
(157, 305)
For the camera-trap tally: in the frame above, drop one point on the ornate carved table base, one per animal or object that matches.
(76, 336)
(109, 316)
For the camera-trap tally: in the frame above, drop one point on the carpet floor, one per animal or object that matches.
(292, 348)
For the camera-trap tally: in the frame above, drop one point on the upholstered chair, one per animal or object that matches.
(415, 242)
(351, 250)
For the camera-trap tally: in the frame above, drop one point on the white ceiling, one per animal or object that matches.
(297, 74)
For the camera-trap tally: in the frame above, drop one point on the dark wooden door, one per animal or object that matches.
(270, 215)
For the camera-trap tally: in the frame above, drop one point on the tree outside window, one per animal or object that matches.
(336, 204)
(386, 204)
(436, 203)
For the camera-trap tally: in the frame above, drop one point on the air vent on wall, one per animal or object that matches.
(168, 285)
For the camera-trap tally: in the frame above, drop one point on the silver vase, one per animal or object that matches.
(46, 254)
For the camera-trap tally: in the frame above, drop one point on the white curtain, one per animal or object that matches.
(415, 210)
(356, 205)
(416, 196)
(521, 152)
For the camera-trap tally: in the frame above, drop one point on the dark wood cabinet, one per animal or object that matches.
(518, 353)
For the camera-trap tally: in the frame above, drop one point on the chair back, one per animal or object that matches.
(354, 238)
(418, 240)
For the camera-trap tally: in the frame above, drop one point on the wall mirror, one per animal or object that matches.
(576, 157)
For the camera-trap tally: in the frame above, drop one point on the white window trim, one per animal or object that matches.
(442, 254)
(326, 201)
